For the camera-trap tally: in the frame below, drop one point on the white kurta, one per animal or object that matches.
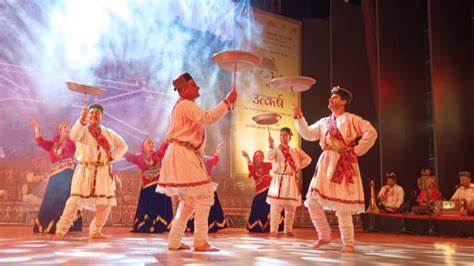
(183, 170)
(90, 188)
(465, 193)
(284, 189)
(394, 195)
(333, 196)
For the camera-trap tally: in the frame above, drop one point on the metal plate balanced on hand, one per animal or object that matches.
(296, 83)
(267, 119)
(236, 61)
(86, 89)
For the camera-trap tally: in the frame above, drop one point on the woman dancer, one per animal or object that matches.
(259, 170)
(154, 210)
(61, 151)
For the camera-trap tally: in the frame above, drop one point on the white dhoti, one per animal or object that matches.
(93, 185)
(346, 196)
(191, 182)
(275, 214)
(283, 194)
(319, 219)
(200, 205)
(70, 212)
(284, 190)
(346, 227)
(188, 177)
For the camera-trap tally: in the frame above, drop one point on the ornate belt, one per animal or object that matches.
(64, 163)
(95, 164)
(280, 173)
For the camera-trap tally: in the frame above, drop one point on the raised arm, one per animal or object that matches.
(203, 117)
(246, 156)
(45, 144)
(310, 133)
(272, 152)
(79, 128)
(197, 114)
(162, 149)
(35, 126)
(212, 161)
(133, 158)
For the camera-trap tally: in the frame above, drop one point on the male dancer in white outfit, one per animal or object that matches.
(337, 184)
(183, 171)
(93, 186)
(284, 191)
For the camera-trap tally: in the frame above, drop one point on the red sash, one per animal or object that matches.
(101, 140)
(347, 158)
(288, 158)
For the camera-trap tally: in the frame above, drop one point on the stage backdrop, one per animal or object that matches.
(280, 48)
(134, 52)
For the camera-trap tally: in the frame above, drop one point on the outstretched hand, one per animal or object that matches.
(297, 113)
(231, 96)
(270, 141)
(32, 122)
(218, 149)
(84, 113)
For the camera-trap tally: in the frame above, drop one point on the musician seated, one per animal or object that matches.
(465, 191)
(390, 197)
(426, 198)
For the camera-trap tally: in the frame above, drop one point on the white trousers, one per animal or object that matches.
(318, 217)
(275, 214)
(69, 214)
(201, 205)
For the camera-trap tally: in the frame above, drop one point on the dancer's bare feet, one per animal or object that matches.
(58, 237)
(321, 243)
(273, 234)
(348, 249)
(206, 246)
(289, 234)
(97, 236)
(182, 246)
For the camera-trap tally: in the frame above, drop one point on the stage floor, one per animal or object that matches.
(18, 245)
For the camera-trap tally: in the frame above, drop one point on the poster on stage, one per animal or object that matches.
(279, 45)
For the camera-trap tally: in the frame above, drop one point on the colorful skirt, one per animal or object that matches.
(57, 193)
(216, 219)
(259, 218)
(154, 212)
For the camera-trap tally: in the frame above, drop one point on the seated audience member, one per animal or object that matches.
(390, 197)
(426, 174)
(426, 198)
(465, 191)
